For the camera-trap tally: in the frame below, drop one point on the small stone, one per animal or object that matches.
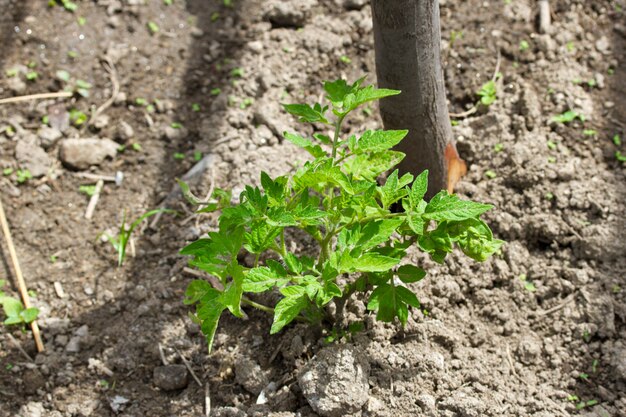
(335, 381)
(196, 32)
(101, 122)
(125, 132)
(48, 136)
(175, 133)
(33, 381)
(289, 14)
(599, 80)
(120, 98)
(82, 153)
(603, 45)
(32, 409)
(118, 403)
(73, 346)
(529, 349)
(426, 401)
(33, 158)
(16, 85)
(171, 377)
(256, 46)
(163, 106)
(250, 375)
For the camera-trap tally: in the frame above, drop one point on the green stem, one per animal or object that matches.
(336, 136)
(258, 306)
(283, 248)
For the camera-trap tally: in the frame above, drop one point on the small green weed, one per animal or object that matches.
(567, 117)
(14, 310)
(23, 175)
(120, 241)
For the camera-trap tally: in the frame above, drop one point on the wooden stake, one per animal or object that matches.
(21, 285)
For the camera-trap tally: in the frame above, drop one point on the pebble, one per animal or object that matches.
(196, 32)
(290, 14)
(335, 381)
(16, 85)
(82, 153)
(171, 377)
(32, 409)
(125, 132)
(101, 122)
(603, 45)
(249, 375)
(33, 158)
(175, 134)
(48, 136)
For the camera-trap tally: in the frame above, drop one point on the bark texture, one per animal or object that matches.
(407, 39)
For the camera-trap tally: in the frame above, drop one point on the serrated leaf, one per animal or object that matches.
(418, 189)
(306, 144)
(373, 262)
(379, 140)
(295, 300)
(260, 237)
(392, 301)
(370, 166)
(377, 232)
(444, 206)
(209, 312)
(231, 297)
(393, 190)
(261, 279)
(307, 113)
(407, 296)
(274, 189)
(200, 290)
(410, 273)
(363, 95)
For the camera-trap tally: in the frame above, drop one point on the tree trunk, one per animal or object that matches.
(407, 41)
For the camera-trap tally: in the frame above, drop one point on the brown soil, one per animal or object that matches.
(491, 345)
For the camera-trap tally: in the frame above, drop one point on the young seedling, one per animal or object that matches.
(340, 201)
(568, 116)
(487, 93)
(120, 241)
(23, 175)
(14, 310)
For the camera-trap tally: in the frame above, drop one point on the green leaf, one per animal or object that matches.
(379, 140)
(370, 166)
(418, 189)
(289, 307)
(392, 301)
(377, 232)
(29, 315)
(410, 273)
(393, 190)
(261, 237)
(444, 206)
(363, 95)
(198, 290)
(373, 262)
(11, 306)
(231, 297)
(306, 144)
(307, 113)
(209, 312)
(274, 189)
(262, 279)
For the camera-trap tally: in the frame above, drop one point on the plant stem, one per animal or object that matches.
(336, 136)
(258, 306)
(283, 248)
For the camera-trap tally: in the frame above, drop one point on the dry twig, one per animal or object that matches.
(40, 96)
(93, 201)
(110, 69)
(189, 368)
(21, 285)
(19, 347)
